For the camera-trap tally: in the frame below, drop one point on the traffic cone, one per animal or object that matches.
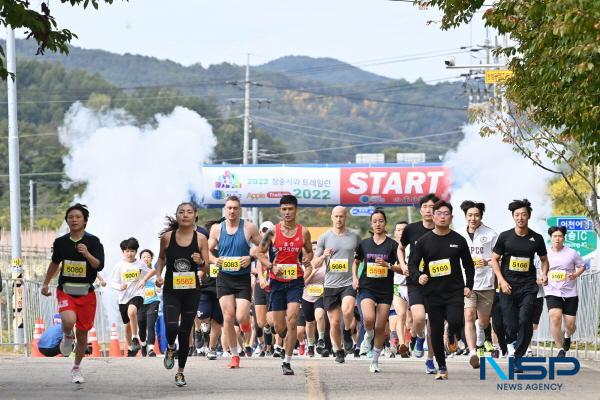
(93, 339)
(37, 334)
(115, 345)
(157, 346)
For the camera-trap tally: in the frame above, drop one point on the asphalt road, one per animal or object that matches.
(261, 378)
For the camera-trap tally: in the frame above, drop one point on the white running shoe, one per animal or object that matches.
(77, 375)
(374, 368)
(66, 344)
(365, 346)
(511, 349)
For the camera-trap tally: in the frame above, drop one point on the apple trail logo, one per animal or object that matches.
(533, 369)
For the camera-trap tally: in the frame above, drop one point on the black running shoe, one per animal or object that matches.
(277, 352)
(340, 356)
(180, 379)
(248, 351)
(151, 353)
(325, 353)
(131, 353)
(561, 353)
(348, 343)
(135, 345)
(287, 369)
(144, 351)
(311, 351)
(566, 344)
(356, 351)
(320, 346)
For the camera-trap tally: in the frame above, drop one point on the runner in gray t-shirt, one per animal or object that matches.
(335, 251)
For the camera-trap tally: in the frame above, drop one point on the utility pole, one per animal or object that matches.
(32, 203)
(246, 112)
(14, 185)
(255, 217)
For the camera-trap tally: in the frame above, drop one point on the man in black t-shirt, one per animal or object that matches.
(441, 253)
(512, 260)
(410, 236)
(79, 256)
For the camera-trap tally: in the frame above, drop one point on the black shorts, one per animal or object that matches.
(261, 297)
(332, 298)
(240, 286)
(209, 307)
(568, 305)
(378, 298)
(308, 309)
(137, 301)
(538, 307)
(415, 295)
(301, 319)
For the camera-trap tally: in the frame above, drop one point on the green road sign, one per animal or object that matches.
(580, 235)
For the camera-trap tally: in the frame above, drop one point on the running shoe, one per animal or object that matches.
(180, 379)
(442, 375)
(201, 352)
(302, 349)
(151, 353)
(144, 351)
(258, 349)
(320, 346)
(495, 353)
(277, 352)
(403, 350)
(169, 360)
(452, 345)
(488, 346)
(394, 345)
(348, 344)
(340, 356)
(77, 375)
(135, 345)
(192, 352)
(131, 353)
(242, 353)
(311, 351)
(511, 349)
(235, 362)
(66, 344)
(430, 367)
(325, 353)
(212, 354)
(413, 342)
(248, 351)
(262, 353)
(566, 343)
(374, 368)
(287, 369)
(356, 352)
(561, 353)
(474, 361)
(365, 346)
(418, 351)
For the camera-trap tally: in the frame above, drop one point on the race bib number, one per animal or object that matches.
(130, 276)
(421, 265)
(184, 280)
(339, 266)
(74, 269)
(519, 264)
(376, 271)
(231, 264)
(558, 276)
(315, 290)
(213, 272)
(149, 293)
(288, 271)
(440, 268)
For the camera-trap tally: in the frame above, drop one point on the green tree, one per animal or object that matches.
(41, 26)
(564, 201)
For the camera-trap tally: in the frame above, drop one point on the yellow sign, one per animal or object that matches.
(497, 75)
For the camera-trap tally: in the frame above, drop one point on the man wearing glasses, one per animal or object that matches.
(442, 250)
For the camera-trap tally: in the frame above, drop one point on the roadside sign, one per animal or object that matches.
(497, 75)
(580, 233)
(361, 211)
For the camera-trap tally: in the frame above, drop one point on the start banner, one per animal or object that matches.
(316, 185)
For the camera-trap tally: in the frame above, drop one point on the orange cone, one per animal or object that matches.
(115, 345)
(157, 347)
(93, 339)
(37, 334)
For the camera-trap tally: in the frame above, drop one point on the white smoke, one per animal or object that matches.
(488, 170)
(135, 175)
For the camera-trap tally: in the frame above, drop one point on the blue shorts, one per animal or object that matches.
(209, 308)
(283, 293)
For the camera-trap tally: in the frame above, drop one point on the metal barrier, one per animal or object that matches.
(586, 340)
(35, 306)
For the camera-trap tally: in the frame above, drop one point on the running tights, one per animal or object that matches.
(175, 306)
(453, 312)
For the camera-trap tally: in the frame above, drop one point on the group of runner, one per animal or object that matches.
(272, 290)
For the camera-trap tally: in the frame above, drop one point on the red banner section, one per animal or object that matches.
(393, 186)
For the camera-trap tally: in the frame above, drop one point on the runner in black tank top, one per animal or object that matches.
(181, 293)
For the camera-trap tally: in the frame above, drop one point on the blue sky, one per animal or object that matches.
(374, 34)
